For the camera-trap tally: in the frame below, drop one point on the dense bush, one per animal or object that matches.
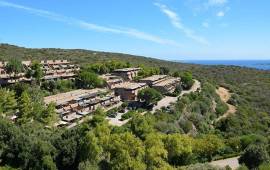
(254, 156)
(128, 115)
(88, 80)
(149, 96)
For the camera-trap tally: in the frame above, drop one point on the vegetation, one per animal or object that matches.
(8, 102)
(35, 71)
(53, 87)
(173, 138)
(254, 156)
(88, 80)
(149, 96)
(106, 67)
(187, 80)
(14, 66)
(128, 115)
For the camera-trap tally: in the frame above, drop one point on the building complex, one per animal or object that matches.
(52, 69)
(74, 105)
(127, 73)
(163, 83)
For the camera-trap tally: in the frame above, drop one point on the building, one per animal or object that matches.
(10, 78)
(58, 69)
(74, 105)
(168, 85)
(152, 80)
(111, 80)
(129, 90)
(127, 73)
(52, 69)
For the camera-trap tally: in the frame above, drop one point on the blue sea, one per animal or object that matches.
(257, 64)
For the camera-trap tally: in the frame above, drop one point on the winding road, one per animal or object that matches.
(168, 100)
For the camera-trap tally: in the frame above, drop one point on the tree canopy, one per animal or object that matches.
(149, 96)
(89, 80)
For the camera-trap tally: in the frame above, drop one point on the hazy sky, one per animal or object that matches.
(166, 29)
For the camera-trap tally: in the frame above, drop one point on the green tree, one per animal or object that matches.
(86, 165)
(25, 108)
(164, 70)
(149, 96)
(35, 71)
(179, 149)
(264, 166)
(14, 66)
(187, 80)
(48, 163)
(49, 115)
(140, 126)
(208, 145)
(254, 156)
(8, 102)
(156, 156)
(126, 152)
(89, 80)
(91, 150)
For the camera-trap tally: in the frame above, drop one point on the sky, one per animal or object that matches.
(165, 29)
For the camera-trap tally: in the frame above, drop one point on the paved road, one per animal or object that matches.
(116, 121)
(91, 116)
(232, 162)
(166, 101)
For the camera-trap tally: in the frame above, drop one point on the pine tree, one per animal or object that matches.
(25, 108)
(8, 102)
(49, 115)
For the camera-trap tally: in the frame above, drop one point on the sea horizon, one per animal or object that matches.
(257, 64)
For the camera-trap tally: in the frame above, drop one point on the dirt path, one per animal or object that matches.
(232, 162)
(225, 95)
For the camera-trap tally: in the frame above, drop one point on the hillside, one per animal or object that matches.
(251, 87)
(225, 112)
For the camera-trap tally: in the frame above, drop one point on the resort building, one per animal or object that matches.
(112, 81)
(152, 80)
(127, 73)
(129, 90)
(10, 78)
(74, 105)
(168, 85)
(58, 69)
(52, 69)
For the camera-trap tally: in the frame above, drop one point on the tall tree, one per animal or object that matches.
(164, 70)
(89, 80)
(35, 71)
(8, 102)
(149, 96)
(25, 108)
(49, 115)
(127, 152)
(187, 80)
(207, 146)
(179, 149)
(156, 156)
(254, 156)
(91, 151)
(14, 66)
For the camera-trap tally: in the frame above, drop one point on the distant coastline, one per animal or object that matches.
(257, 64)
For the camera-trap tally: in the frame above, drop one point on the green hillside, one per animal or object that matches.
(253, 85)
(172, 138)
